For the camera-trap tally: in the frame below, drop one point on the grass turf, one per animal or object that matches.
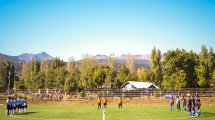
(112, 113)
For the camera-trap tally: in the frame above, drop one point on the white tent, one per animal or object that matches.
(134, 85)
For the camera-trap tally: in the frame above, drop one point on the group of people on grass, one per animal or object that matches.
(105, 103)
(192, 105)
(16, 105)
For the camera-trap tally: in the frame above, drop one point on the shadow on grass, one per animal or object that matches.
(27, 113)
(207, 114)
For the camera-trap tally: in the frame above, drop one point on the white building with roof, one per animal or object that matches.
(134, 85)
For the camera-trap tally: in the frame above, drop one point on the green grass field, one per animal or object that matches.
(112, 113)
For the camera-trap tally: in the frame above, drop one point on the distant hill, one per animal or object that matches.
(14, 61)
(141, 60)
(28, 57)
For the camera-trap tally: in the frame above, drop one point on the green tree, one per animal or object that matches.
(100, 74)
(130, 63)
(156, 68)
(36, 66)
(2, 75)
(49, 79)
(10, 73)
(95, 76)
(111, 62)
(60, 77)
(86, 63)
(25, 73)
(122, 76)
(211, 61)
(212, 83)
(71, 82)
(177, 62)
(57, 63)
(39, 80)
(152, 59)
(141, 74)
(202, 69)
(45, 66)
(71, 65)
(111, 78)
(175, 80)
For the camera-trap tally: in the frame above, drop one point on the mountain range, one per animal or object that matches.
(26, 57)
(141, 60)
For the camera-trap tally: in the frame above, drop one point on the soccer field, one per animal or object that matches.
(112, 113)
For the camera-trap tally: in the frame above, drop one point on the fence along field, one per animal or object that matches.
(54, 94)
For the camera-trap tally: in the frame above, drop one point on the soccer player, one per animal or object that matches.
(178, 103)
(11, 106)
(22, 105)
(19, 104)
(7, 106)
(193, 111)
(120, 103)
(99, 103)
(184, 102)
(25, 104)
(105, 103)
(14, 105)
(171, 103)
(198, 105)
(193, 106)
(189, 105)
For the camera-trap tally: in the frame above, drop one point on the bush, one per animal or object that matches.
(21, 86)
(99, 94)
(156, 94)
(82, 94)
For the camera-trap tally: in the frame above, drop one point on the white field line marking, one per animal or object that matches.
(79, 119)
(40, 118)
(165, 118)
(49, 110)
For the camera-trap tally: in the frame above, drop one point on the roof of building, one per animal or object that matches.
(140, 84)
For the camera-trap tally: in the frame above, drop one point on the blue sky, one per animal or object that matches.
(67, 28)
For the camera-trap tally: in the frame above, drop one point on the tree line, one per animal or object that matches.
(173, 69)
